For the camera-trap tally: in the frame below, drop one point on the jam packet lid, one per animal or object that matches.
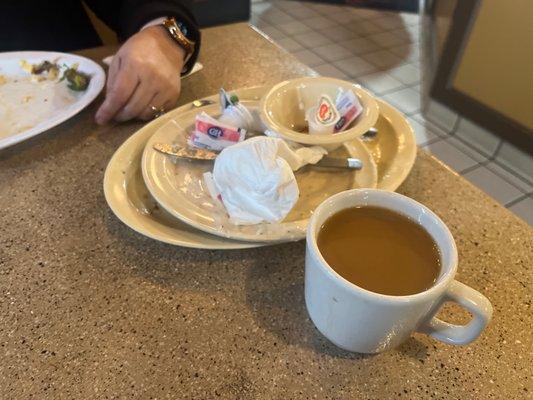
(322, 118)
(214, 135)
(326, 112)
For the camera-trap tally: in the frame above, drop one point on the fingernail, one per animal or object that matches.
(100, 120)
(101, 116)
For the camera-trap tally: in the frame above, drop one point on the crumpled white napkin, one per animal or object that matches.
(255, 178)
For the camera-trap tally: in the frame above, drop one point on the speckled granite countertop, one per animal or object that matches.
(90, 309)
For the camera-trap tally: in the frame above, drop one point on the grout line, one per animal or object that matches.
(472, 168)
(497, 150)
(485, 163)
(482, 153)
(358, 35)
(512, 171)
(389, 91)
(390, 12)
(455, 126)
(325, 13)
(504, 178)
(517, 200)
(431, 141)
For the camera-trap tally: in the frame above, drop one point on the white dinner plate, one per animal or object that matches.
(394, 151)
(27, 109)
(178, 185)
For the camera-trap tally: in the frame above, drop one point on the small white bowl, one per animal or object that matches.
(283, 109)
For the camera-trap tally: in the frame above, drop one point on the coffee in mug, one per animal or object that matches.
(380, 250)
(361, 310)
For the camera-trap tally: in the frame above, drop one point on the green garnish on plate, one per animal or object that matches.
(76, 80)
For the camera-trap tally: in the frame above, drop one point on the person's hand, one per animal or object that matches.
(144, 73)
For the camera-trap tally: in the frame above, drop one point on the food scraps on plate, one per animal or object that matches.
(253, 178)
(37, 93)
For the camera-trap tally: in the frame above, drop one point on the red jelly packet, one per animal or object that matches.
(326, 112)
(214, 135)
(349, 109)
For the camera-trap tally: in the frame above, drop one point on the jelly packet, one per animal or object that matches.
(323, 118)
(214, 135)
(349, 108)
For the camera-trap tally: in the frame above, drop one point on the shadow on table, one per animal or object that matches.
(177, 267)
(271, 279)
(275, 295)
(413, 348)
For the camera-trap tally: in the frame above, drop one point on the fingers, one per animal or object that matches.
(166, 99)
(160, 101)
(125, 82)
(147, 112)
(112, 73)
(141, 100)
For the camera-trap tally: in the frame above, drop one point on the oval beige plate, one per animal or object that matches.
(178, 185)
(132, 203)
(393, 148)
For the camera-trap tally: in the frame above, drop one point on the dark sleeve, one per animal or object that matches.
(126, 17)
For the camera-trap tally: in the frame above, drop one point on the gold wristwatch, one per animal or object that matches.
(179, 37)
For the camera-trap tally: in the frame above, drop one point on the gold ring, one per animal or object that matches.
(157, 111)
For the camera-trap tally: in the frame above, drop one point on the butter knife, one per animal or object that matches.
(208, 155)
(185, 152)
(334, 162)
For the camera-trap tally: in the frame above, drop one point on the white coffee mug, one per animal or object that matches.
(362, 321)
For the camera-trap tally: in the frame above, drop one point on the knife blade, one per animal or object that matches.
(185, 152)
(208, 155)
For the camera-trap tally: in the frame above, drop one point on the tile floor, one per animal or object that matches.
(380, 50)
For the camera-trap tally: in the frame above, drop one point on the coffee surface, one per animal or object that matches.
(380, 251)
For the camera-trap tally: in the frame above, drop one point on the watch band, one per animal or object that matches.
(179, 36)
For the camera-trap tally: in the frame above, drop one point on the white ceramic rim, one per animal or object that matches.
(95, 87)
(362, 126)
(445, 278)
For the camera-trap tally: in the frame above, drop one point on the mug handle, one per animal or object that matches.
(468, 298)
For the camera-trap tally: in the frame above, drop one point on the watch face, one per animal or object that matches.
(183, 28)
(177, 32)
